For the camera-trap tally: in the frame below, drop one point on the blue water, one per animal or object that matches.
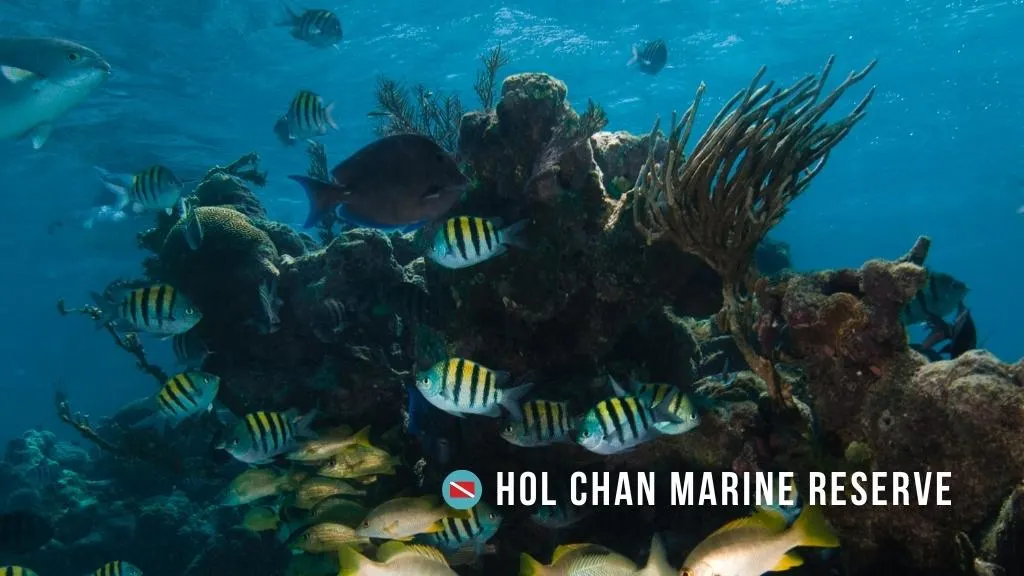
(202, 82)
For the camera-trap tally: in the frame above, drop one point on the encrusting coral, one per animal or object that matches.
(719, 202)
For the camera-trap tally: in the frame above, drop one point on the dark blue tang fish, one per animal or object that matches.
(650, 58)
(397, 183)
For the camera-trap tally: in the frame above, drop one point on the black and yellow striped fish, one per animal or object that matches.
(261, 436)
(308, 117)
(675, 411)
(316, 27)
(467, 240)
(155, 188)
(616, 425)
(16, 571)
(157, 309)
(117, 568)
(472, 532)
(460, 386)
(544, 422)
(187, 394)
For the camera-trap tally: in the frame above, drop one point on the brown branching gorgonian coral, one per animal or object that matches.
(759, 153)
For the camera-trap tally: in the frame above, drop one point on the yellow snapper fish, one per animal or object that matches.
(261, 519)
(359, 460)
(316, 489)
(324, 537)
(403, 518)
(757, 544)
(395, 559)
(595, 560)
(329, 444)
(258, 483)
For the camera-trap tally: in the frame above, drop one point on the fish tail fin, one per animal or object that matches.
(289, 17)
(636, 56)
(303, 424)
(812, 529)
(116, 183)
(530, 566)
(323, 197)
(510, 399)
(329, 117)
(351, 562)
(657, 560)
(511, 236)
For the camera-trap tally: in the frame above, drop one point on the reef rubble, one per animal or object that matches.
(609, 284)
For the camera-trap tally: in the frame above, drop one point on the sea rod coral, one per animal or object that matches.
(759, 153)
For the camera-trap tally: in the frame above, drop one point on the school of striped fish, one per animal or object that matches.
(311, 489)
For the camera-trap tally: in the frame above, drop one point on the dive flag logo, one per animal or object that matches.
(462, 490)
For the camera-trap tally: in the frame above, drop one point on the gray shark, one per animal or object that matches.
(41, 79)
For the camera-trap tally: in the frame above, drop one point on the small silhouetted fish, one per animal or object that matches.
(318, 28)
(940, 296)
(962, 335)
(329, 320)
(193, 229)
(282, 132)
(267, 320)
(649, 58)
(366, 189)
(22, 532)
(190, 349)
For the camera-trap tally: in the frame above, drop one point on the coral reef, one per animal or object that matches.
(640, 262)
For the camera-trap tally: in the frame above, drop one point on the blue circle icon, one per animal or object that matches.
(462, 490)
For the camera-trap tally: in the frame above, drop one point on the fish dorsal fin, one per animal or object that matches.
(394, 549)
(762, 518)
(790, 560)
(339, 432)
(564, 549)
(362, 437)
(616, 387)
(16, 75)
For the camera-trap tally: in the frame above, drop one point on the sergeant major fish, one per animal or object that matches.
(615, 425)
(940, 296)
(462, 533)
(318, 28)
(307, 116)
(466, 240)
(674, 411)
(152, 189)
(190, 349)
(261, 436)
(650, 57)
(182, 396)
(43, 79)
(158, 309)
(117, 568)
(544, 422)
(757, 544)
(367, 191)
(460, 387)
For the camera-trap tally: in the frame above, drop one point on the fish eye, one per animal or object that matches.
(509, 428)
(492, 516)
(73, 56)
(190, 311)
(366, 524)
(234, 442)
(584, 434)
